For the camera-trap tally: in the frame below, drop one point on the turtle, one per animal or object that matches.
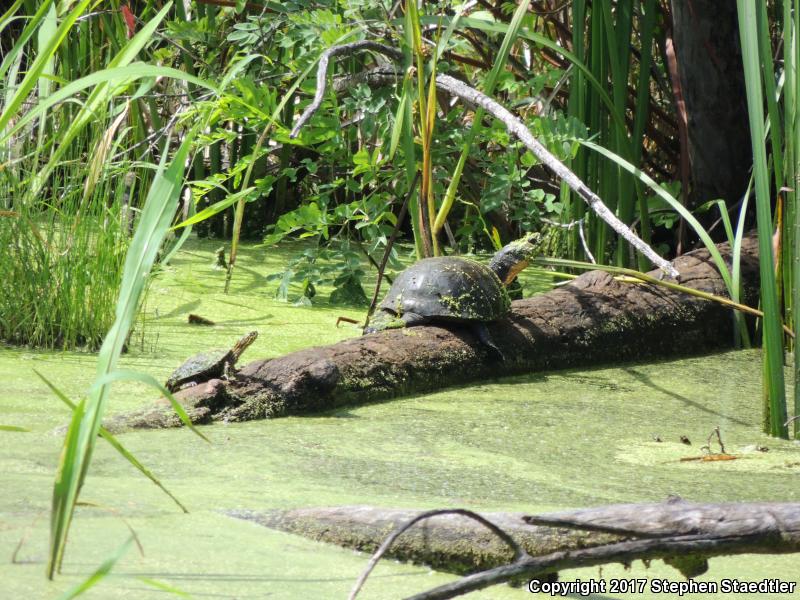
(208, 365)
(456, 290)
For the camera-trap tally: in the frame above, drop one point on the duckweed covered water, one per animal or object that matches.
(536, 443)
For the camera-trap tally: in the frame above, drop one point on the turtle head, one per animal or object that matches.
(382, 320)
(514, 257)
(242, 345)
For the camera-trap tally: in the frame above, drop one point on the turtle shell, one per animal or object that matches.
(448, 288)
(200, 367)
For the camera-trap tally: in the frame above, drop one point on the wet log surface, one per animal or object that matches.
(592, 320)
(616, 533)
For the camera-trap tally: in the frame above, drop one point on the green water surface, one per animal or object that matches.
(537, 443)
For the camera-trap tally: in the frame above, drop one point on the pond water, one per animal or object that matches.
(536, 443)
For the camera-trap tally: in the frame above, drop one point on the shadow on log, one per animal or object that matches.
(683, 534)
(589, 321)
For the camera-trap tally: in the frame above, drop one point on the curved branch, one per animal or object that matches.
(514, 126)
(519, 553)
(530, 568)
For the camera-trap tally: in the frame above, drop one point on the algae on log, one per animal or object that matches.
(592, 320)
(448, 542)
(684, 534)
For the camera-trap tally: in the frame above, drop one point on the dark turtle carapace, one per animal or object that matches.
(208, 365)
(454, 289)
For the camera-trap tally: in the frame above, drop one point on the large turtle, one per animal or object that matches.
(454, 289)
(208, 365)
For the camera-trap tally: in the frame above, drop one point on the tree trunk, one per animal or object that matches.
(709, 56)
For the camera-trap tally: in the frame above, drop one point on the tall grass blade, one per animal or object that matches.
(10, 110)
(157, 214)
(792, 69)
(119, 74)
(17, 50)
(775, 405)
(477, 122)
(109, 437)
(525, 33)
(15, 428)
(127, 375)
(719, 262)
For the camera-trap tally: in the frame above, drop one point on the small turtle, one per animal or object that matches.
(208, 365)
(454, 289)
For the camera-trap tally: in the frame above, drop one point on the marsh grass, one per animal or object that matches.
(70, 274)
(774, 134)
(62, 265)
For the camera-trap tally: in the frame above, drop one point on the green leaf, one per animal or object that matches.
(215, 208)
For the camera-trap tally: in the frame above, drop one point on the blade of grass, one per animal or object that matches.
(674, 203)
(495, 27)
(477, 121)
(119, 74)
(11, 109)
(792, 110)
(109, 437)
(215, 208)
(17, 50)
(127, 375)
(5, 19)
(646, 36)
(775, 405)
(67, 476)
(164, 587)
(157, 214)
(644, 277)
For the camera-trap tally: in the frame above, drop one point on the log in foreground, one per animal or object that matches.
(684, 534)
(451, 543)
(592, 320)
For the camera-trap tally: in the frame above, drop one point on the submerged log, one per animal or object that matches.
(592, 320)
(684, 534)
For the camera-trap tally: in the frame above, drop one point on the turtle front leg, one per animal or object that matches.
(482, 332)
(384, 320)
(412, 319)
(227, 370)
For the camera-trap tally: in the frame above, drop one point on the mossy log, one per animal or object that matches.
(594, 319)
(684, 534)
(452, 543)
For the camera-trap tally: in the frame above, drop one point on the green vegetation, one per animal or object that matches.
(126, 128)
(535, 443)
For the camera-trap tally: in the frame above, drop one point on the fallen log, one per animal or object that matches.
(452, 543)
(684, 534)
(591, 320)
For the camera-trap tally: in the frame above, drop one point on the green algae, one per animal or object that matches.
(534, 443)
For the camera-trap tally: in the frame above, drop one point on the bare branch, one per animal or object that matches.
(674, 528)
(514, 126)
(519, 553)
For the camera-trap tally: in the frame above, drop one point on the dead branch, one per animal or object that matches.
(514, 126)
(519, 553)
(683, 534)
(672, 529)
